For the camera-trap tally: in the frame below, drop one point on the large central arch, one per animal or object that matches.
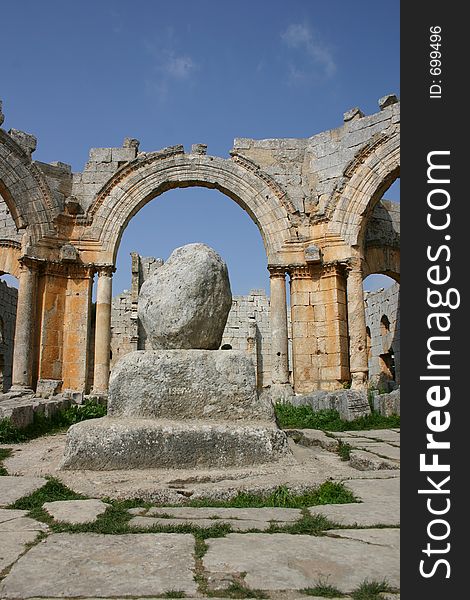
(140, 181)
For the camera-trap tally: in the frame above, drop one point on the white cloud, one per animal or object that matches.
(178, 67)
(303, 38)
(170, 67)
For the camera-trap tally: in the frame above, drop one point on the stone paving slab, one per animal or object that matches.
(105, 566)
(367, 461)
(13, 545)
(23, 524)
(375, 490)
(379, 537)
(249, 514)
(7, 514)
(76, 511)
(365, 514)
(237, 525)
(385, 435)
(383, 450)
(283, 561)
(13, 488)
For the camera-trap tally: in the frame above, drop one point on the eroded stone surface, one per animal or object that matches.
(105, 566)
(109, 443)
(236, 525)
(76, 511)
(251, 514)
(187, 384)
(283, 561)
(13, 488)
(13, 545)
(379, 537)
(185, 304)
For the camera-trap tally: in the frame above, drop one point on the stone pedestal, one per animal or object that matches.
(179, 409)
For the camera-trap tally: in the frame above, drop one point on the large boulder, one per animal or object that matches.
(185, 304)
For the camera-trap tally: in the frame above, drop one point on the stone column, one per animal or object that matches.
(103, 330)
(280, 384)
(358, 364)
(25, 329)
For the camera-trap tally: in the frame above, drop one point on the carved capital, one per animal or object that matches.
(299, 272)
(276, 272)
(105, 270)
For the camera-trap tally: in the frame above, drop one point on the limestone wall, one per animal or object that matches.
(383, 322)
(8, 229)
(8, 301)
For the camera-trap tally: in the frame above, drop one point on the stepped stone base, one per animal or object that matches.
(111, 443)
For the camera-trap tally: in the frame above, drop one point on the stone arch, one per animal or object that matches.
(367, 177)
(382, 260)
(25, 190)
(147, 177)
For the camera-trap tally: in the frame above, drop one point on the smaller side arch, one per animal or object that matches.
(372, 172)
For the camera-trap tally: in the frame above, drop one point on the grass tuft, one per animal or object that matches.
(289, 416)
(323, 590)
(4, 453)
(371, 590)
(344, 450)
(42, 425)
(174, 594)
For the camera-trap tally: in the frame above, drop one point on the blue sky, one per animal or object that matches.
(88, 74)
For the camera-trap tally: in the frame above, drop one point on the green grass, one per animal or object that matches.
(237, 589)
(4, 453)
(328, 492)
(42, 425)
(370, 590)
(307, 525)
(174, 594)
(304, 417)
(323, 590)
(53, 490)
(344, 450)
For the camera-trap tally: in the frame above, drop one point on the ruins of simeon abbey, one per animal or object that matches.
(317, 203)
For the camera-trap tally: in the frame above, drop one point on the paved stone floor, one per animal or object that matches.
(36, 562)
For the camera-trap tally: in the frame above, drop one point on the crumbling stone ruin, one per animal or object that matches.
(185, 403)
(316, 202)
(248, 326)
(8, 301)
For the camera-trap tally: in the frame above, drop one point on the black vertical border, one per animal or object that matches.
(430, 124)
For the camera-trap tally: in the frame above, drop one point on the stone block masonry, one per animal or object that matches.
(315, 201)
(8, 302)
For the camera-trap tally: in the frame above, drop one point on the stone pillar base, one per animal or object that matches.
(359, 380)
(109, 444)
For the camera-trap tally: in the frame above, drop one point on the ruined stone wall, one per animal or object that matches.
(8, 229)
(383, 322)
(8, 301)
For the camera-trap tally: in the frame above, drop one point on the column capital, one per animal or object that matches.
(277, 271)
(353, 263)
(105, 270)
(300, 272)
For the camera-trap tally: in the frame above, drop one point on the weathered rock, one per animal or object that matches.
(350, 404)
(76, 511)
(368, 461)
(187, 384)
(365, 514)
(388, 404)
(103, 566)
(112, 443)
(236, 525)
(185, 304)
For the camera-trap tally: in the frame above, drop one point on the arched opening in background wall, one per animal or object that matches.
(382, 307)
(189, 215)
